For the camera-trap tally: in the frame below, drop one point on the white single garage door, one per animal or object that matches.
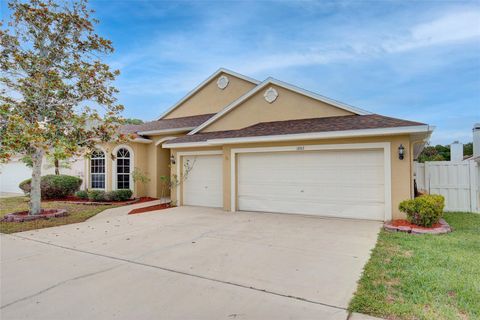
(340, 183)
(204, 183)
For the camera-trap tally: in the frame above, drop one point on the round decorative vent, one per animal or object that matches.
(222, 82)
(270, 95)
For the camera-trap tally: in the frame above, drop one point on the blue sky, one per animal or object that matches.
(408, 59)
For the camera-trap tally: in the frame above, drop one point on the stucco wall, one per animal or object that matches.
(289, 105)
(401, 176)
(139, 161)
(173, 172)
(211, 99)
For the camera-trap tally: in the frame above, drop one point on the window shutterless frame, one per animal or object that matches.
(97, 170)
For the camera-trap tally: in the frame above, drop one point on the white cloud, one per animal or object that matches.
(450, 28)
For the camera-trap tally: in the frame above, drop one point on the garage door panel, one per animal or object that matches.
(325, 193)
(204, 183)
(356, 210)
(346, 183)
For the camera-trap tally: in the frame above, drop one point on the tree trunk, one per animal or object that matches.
(57, 166)
(35, 192)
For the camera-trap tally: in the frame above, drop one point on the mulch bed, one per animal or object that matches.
(76, 200)
(151, 208)
(404, 226)
(24, 216)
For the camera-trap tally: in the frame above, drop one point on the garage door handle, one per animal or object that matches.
(301, 191)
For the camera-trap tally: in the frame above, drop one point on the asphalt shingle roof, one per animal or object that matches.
(339, 123)
(184, 122)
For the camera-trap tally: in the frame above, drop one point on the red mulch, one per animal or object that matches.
(146, 199)
(151, 208)
(405, 223)
(77, 199)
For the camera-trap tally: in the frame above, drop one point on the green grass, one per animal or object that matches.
(77, 213)
(424, 276)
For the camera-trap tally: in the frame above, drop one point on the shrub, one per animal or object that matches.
(82, 194)
(110, 196)
(115, 195)
(123, 195)
(425, 210)
(96, 195)
(54, 186)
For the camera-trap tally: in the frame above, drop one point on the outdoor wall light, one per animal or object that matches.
(401, 152)
(172, 159)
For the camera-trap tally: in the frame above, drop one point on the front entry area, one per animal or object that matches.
(335, 183)
(203, 185)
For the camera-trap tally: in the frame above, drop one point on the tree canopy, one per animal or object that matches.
(442, 153)
(54, 85)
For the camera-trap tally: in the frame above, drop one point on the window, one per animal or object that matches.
(97, 170)
(123, 169)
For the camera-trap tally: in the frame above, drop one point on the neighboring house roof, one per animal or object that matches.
(204, 83)
(307, 126)
(272, 81)
(165, 125)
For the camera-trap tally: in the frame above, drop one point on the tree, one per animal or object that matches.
(56, 92)
(468, 149)
(57, 159)
(442, 153)
(133, 121)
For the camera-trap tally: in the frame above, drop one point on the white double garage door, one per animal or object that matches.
(336, 183)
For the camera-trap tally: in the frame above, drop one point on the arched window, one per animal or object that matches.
(123, 168)
(97, 170)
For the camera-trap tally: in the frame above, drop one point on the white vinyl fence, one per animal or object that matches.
(458, 182)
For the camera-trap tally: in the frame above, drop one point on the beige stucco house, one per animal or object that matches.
(240, 144)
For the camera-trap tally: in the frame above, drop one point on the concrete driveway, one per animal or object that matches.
(186, 263)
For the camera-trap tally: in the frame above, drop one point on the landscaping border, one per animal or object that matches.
(443, 228)
(23, 216)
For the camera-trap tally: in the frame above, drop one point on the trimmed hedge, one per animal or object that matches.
(96, 195)
(100, 195)
(425, 210)
(54, 186)
(119, 195)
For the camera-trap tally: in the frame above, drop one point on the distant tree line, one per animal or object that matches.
(133, 121)
(442, 153)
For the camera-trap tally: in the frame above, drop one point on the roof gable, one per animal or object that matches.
(208, 97)
(293, 103)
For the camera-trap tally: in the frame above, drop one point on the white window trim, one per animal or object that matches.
(89, 175)
(114, 167)
(385, 146)
(179, 167)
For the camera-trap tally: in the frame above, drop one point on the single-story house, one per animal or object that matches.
(240, 144)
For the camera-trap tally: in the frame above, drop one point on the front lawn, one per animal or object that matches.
(77, 213)
(424, 276)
